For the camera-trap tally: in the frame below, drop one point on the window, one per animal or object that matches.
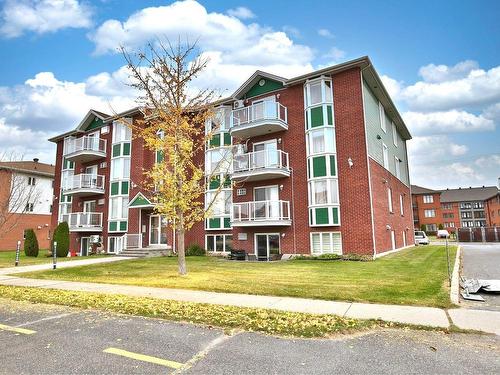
(394, 135)
(31, 181)
(324, 192)
(431, 227)
(446, 206)
(397, 167)
(219, 203)
(29, 207)
(401, 204)
(218, 160)
(385, 155)
(326, 243)
(389, 199)
(393, 239)
(219, 243)
(381, 113)
(428, 199)
(318, 91)
(478, 205)
(466, 206)
(321, 140)
(120, 168)
(121, 132)
(430, 213)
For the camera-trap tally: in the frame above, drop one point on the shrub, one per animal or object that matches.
(440, 227)
(195, 250)
(30, 243)
(422, 228)
(61, 236)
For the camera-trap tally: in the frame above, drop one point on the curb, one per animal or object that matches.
(454, 289)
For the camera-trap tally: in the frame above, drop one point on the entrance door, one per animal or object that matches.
(84, 246)
(89, 206)
(269, 208)
(267, 245)
(157, 230)
(265, 154)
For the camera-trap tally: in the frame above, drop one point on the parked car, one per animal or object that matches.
(421, 238)
(443, 233)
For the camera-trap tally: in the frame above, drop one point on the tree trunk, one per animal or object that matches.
(181, 254)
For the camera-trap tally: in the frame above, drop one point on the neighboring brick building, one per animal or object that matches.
(25, 201)
(453, 208)
(321, 167)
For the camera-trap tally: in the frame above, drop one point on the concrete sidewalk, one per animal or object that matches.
(60, 264)
(486, 321)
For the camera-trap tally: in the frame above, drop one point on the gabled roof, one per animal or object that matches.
(254, 79)
(140, 201)
(469, 194)
(89, 118)
(415, 189)
(29, 167)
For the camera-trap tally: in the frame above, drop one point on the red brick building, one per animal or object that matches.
(471, 207)
(25, 201)
(320, 167)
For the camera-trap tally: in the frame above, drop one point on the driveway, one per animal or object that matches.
(481, 261)
(45, 339)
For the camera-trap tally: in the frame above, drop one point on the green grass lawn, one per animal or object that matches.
(8, 258)
(416, 276)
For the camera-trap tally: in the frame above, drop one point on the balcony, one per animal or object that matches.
(85, 149)
(261, 213)
(84, 184)
(84, 221)
(258, 119)
(260, 165)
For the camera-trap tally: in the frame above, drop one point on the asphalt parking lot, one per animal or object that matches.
(42, 339)
(482, 261)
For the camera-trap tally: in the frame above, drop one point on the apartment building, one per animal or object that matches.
(25, 201)
(492, 208)
(453, 208)
(317, 164)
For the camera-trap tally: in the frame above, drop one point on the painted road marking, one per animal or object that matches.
(45, 319)
(144, 358)
(17, 330)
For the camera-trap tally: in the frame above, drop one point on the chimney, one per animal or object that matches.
(35, 160)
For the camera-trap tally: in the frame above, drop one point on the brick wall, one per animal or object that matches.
(435, 205)
(381, 180)
(17, 223)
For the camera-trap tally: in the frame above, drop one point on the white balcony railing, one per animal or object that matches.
(132, 241)
(84, 143)
(266, 110)
(265, 211)
(259, 160)
(84, 181)
(83, 220)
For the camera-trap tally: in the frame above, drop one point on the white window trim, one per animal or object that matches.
(397, 167)
(389, 200)
(321, 242)
(224, 249)
(381, 115)
(401, 204)
(394, 134)
(385, 156)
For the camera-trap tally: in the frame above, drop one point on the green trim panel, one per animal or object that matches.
(214, 222)
(335, 215)
(115, 188)
(329, 114)
(321, 215)
(214, 183)
(140, 200)
(269, 85)
(319, 166)
(116, 150)
(215, 140)
(317, 117)
(126, 149)
(123, 226)
(227, 139)
(113, 225)
(96, 123)
(333, 171)
(124, 188)
(227, 222)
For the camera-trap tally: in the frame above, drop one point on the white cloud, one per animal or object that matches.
(325, 33)
(442, 73)
(392, 86)
(48, 104)
(239, 42)
(241, 12)
(43, 16)
(446, 122)
(335, 54)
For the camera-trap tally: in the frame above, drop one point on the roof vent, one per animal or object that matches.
(35, 160)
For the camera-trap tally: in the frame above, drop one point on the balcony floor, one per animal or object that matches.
(256, 128)
(83, 192)
(85, 229)
(260, 174)
(262, 223)
(85, 156)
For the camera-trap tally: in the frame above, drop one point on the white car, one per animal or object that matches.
(442, 233)
(421, 238)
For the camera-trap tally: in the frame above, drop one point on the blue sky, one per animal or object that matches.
(440, 61)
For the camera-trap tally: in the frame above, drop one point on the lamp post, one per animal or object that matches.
(18, 251)
(54, 256)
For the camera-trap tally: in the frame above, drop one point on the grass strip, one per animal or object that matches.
(228, 317)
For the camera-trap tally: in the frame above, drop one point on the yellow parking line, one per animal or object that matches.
(18, 330)
(145, 358)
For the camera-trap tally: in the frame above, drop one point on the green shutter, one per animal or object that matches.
(115, 187)
(123, 226)
(116, 150)
(227, 182)
(125, 187)
(214, 183)
(126, 149)
(227, 139)
(329, 114)
(159, 156)
(112, 226)
(319, 166)
(215, 141)
(214, 222)
(227, 222)
(321, 215)
(317, 117)
(335, 215)
(69, 198)
(310, 216)
(333, 172)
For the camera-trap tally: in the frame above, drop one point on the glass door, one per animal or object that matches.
(264, 108)
(270, 208)
(157, 230)
(267, 245)
(265, 154)
(84, 246)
